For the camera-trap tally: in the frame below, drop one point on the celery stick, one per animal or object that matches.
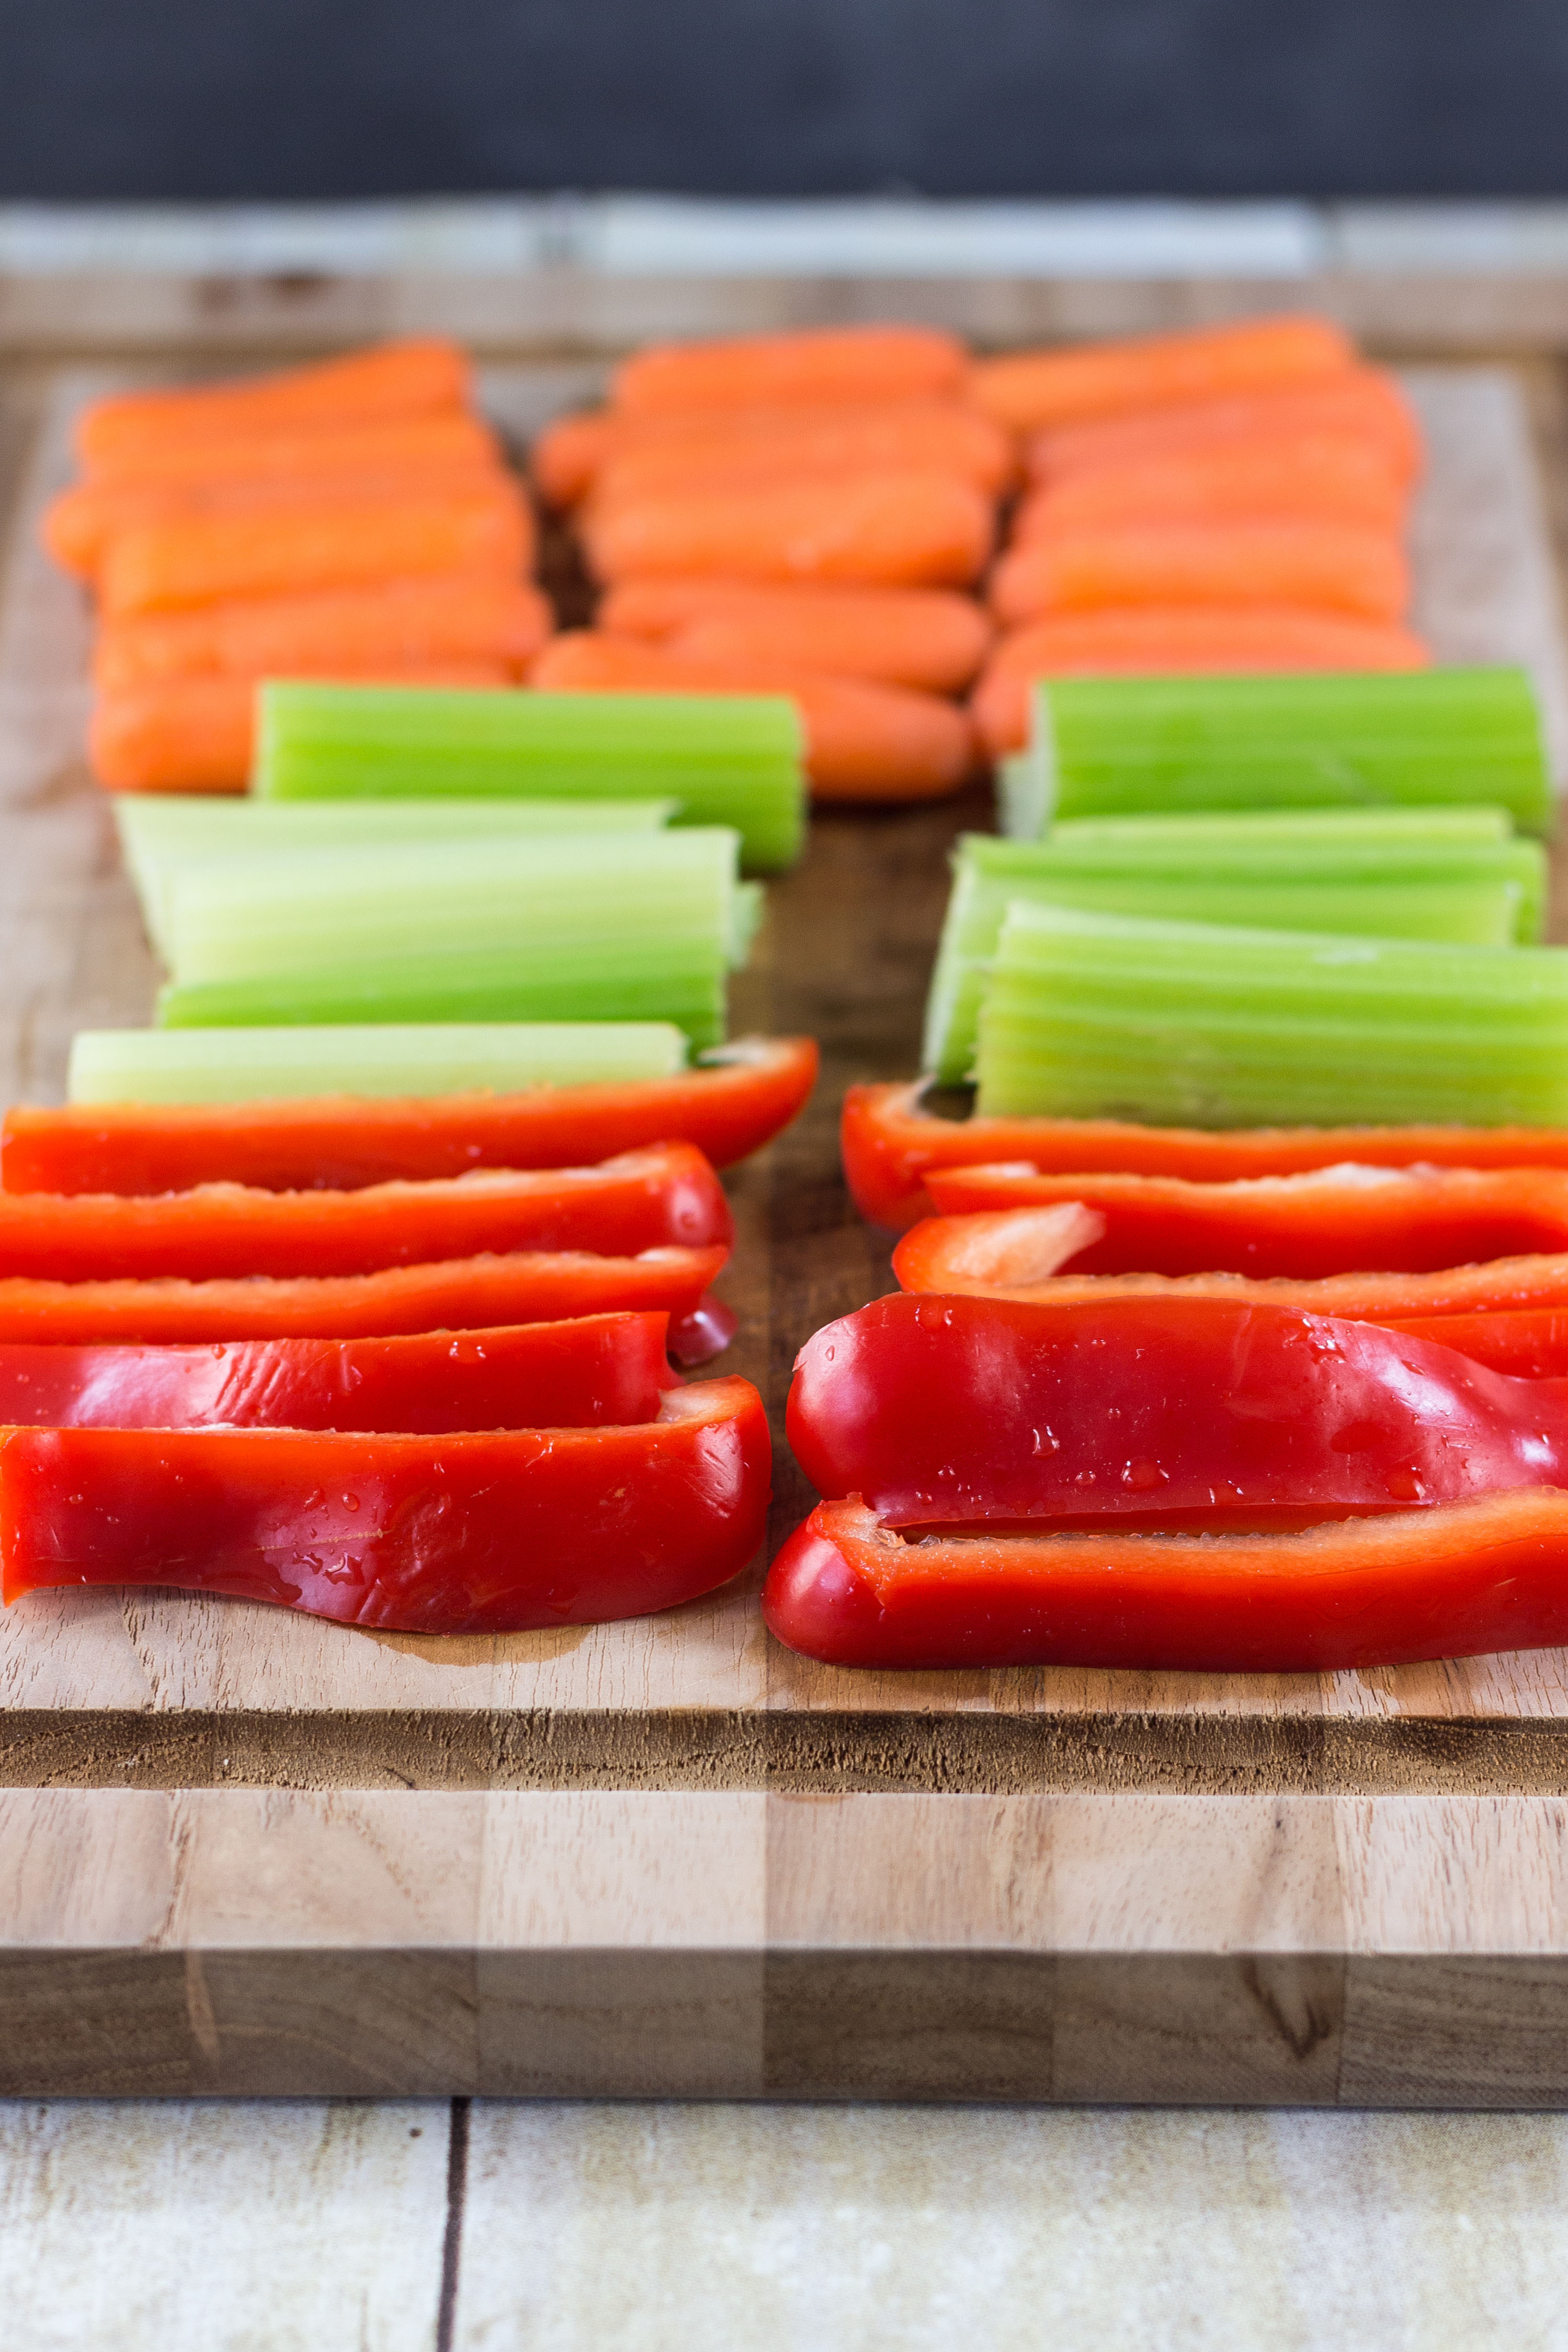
(1113, 746)
(615, 927)
(1101, 1015)
(159, 830)
(729, 759)
(217, 1066)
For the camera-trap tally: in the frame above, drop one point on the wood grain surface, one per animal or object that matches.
(164, 1689)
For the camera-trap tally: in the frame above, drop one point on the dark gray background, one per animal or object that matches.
(278, 99)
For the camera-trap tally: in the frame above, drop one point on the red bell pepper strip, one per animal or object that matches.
(1460, 1579)
(738, 1100)
(574, 1375)
(1014, 1254)
(457, 1294)
(642, 1199)
(485, 1533)
(889, 1145)
(1531, 1344)
(1199, 1415)
(1329, 1221)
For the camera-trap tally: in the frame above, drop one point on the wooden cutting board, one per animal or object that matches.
(244, 1850)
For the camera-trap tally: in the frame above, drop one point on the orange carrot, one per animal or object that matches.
(207, 558)
(1331, 566)
(1144, 639)
(1362, 401)
(927, 637)
(194, 734)
(80, 525)
(920, 437)
(1031, 389)
(891, 531)
(1307, 475)
(567, 455)
(823, 363)
(416, 378)
(459, 616)
(364, 445)
(863, 741)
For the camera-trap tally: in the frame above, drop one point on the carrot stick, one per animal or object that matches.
(416, 378)
(863, 741)
(1032, 389)
(1331, 567)
(566, 457)
(194, 734)
(1145, 639)
(365, 445)
(1364, 402)
(891, 530)
(825, 364)
(927, 637)
(460, 616)
(929, 437)
(204, 559)
(1307, 475)
(80, 525)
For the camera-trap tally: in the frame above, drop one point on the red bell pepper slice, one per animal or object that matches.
(737, 1101)
(457, 1294)
(1530, 1345)
(1461, 1579)
(665, 1193)
(574, 1375)
(889, 1145)
(1329, 1221)
(473, 1533)
(1206, 1415)
(1014, 1254)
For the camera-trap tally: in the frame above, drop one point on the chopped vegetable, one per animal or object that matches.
(813, 365)
(396, 1058)
(745, 1093)
(732, 760)
(611, 927)
(1332, 567)
(874, 530)
(915, 436)
(927, 637)
(1028, 390)
(572, 1375)
(1315, 473)
(890, 1146)
(454, 1534)
(1366, 403)
(1090, 1016)
(1454, 1580)
(422, 443)
(664, 1194)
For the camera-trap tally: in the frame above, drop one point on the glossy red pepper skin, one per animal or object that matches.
(466, 1534)
(966, 1411)
(1462, 1579)
(1014, 1253)
(1327, 1221)
(889, 1145)
(1528, 1345)
(596, 1369)
(643, 1200)
(730, 1107)
(461, 1295)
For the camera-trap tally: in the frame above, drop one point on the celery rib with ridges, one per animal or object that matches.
(1118, 746)
(616, 927)
(733, 760)
(1183, 1024)
(1462, 879)
(223, 1065)
(160, 832)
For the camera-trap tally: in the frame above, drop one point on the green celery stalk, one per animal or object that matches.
(1183, 1023)
(161, 831)
(729, 759)
(220, 1066)
(630, 927)
(1116, 746)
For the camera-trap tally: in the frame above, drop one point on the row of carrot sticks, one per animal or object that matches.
(814, 514)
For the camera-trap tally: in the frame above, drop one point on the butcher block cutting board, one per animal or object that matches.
(242, 1850)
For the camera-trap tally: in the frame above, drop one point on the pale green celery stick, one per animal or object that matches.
(1023, 811)
(615, 927)
(158, 830)
(218, 1066)
(729, 759)
(1181, 1023)
(1115, 746)
(751, 903)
